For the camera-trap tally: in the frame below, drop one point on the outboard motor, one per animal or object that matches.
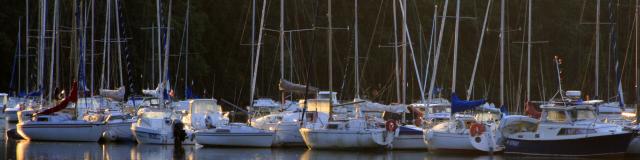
(179, 134)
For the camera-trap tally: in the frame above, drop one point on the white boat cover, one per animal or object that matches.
(117, 95)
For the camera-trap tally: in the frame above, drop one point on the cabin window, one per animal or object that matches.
(332, 126)
(43, 119)
(556, 116)
(582, 114)
(311, 117)
(575, 131)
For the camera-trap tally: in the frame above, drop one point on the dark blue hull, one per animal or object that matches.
(600, 145)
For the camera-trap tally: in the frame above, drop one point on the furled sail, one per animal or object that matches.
(73, 97)
(459, 105)
(117, 95)
(291, 87)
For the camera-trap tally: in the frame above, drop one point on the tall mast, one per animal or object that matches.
(186, 53)
(475, 64)
(636, 53)
(26, 44)
(502, 45)
(159, 37)
(106, 48)
(330, 48)
(395, 52)
(41, 47)
(438, 47)
(355, 50)
(257, 56)
(120, 41)
(529, 19)
(282, 50)
(167, 44)
(281, 39)
(455, 47)
(404, 54)
(93, 49)
(53, 44)
(253, 42)
(597, 63)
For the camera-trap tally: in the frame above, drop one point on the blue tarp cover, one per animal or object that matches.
(459, 105)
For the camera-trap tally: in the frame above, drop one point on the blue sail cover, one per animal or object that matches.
(459, 105)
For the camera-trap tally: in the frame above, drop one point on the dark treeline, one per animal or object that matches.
(220, 57)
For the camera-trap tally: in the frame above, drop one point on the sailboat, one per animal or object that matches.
(239, 134)
(53, 125)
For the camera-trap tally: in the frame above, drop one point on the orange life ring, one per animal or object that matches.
(391, 125)
(476, 129)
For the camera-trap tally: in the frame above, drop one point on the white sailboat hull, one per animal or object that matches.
(288, 134)
(448, 141)
(120, 131)
(63, 131)
(238, 139)
(409, 142)
(154, 136)
(344, 139)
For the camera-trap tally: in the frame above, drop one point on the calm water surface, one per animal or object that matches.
(26, 150)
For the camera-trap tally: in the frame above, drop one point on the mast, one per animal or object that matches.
(475, 64)
(41, 47)
(26, 44)
(257, 57)
(404, 54)
(53, 44)
(502, 45)
(355, 50)
(167, 44)
(117, 13)
(186, 53)
(281, 51)
(438, 47)
(93, 49)
(529, 19)
(395, 51)
(330, 48)
(455, 47)
(159, 23)
(597, 63)
(106, 48)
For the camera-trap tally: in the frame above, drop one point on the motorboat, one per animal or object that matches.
(284, 121)
(564, 128)
(159, 126)
(465, 133)
(234, 135)
(52, 125)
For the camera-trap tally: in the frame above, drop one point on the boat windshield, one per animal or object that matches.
(556, 116)
(582, 114)
(204, 107)
(155, 115)
(439, 109)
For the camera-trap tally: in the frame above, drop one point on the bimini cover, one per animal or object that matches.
(295, 88)
(459, 105)
(73, 97)
(373, 107)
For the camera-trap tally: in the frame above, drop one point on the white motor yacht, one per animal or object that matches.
(566, 129)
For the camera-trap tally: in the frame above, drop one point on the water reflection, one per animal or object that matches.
(23, 149)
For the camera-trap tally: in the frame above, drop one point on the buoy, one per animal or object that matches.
(476, 129)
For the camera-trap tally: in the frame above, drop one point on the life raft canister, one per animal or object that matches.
(391, 125)
(476, 129)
